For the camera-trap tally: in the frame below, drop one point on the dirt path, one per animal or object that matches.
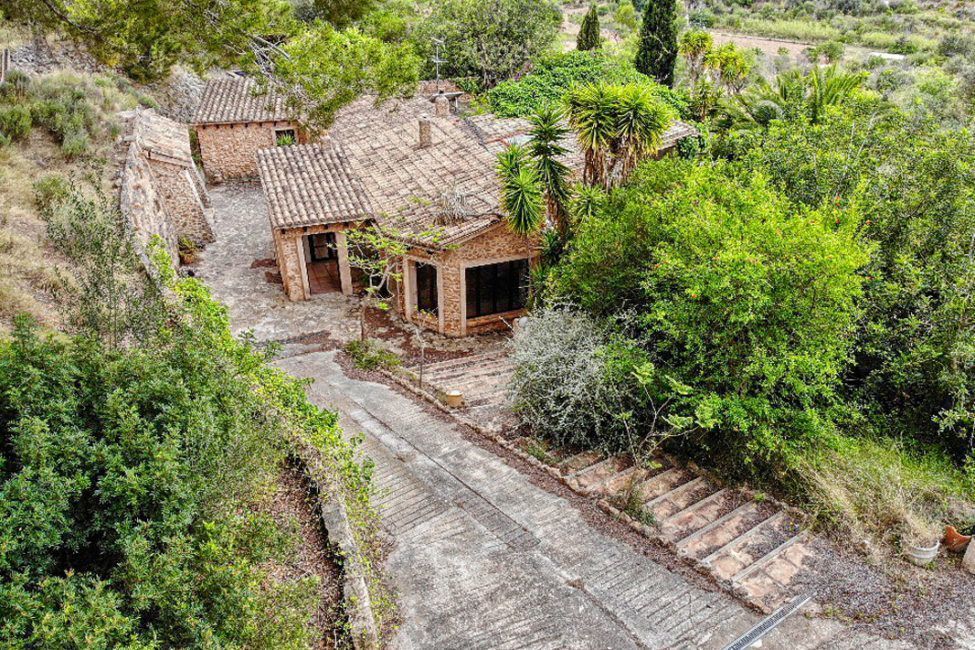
(293, 509)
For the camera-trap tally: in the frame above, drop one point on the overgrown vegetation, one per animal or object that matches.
(137, 454)
(553, 75)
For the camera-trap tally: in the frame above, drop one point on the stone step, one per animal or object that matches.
(468, 376)
(622, 481)
(719, 532)
(442, 368)
(767, 585)
(588, 479)
(697, 515)
(581, 461)
(750, 547)
(680, 498)
(723, 534)
(661, 483)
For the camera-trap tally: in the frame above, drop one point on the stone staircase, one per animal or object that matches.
(750, 544)
(481, 378)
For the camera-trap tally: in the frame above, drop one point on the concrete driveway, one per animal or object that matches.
(485, 558)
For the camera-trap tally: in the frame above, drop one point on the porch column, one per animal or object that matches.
(345, 272)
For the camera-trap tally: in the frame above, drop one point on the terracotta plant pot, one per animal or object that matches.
(955, 541)
(921, 555)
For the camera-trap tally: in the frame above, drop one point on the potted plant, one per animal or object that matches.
(921, 542)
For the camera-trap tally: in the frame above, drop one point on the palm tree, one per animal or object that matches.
(617, 126)
(521, 191)
(547, 134)
(794, 94)
(641, 121)
(829, 87)
(591, 114)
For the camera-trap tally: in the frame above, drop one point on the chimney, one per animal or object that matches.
(441, 105)
(426, 134)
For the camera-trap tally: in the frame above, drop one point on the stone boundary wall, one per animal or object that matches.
(334, 516)
(142, 206)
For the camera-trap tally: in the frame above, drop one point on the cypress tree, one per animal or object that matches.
(657, 54)
(589, 38)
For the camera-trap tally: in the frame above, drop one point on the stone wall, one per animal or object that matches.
(185, 200)
(498, 244)
(289, 248)
(229, 151)
(142, 206)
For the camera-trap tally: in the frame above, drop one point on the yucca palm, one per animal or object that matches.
(794, 94)
(547, 133)
(592, 116)
(521, 191)
(829, 87)
(617, 126)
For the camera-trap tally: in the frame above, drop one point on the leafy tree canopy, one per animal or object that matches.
(491, 40)
(747, 299)
(320, 67)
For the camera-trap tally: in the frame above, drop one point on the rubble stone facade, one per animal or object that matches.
(499, 244)
(161, 191)
(229, 151)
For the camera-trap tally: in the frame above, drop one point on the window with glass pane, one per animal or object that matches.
(426, 288)
(496, 288)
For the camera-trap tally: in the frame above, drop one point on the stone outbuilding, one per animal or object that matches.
(162, 190)
(428, 178)
(234, 120)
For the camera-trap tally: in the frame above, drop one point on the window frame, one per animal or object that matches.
(512, 298)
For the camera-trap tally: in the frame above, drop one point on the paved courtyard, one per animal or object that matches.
(237, 266)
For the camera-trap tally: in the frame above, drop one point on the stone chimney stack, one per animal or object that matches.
(441, 105)
(426, 132)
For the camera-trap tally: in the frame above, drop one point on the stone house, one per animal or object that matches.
(162, 191)
(234, 120)
(428, 178)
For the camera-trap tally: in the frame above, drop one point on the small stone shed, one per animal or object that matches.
(162, 191)
(235, 120)
(426, 176)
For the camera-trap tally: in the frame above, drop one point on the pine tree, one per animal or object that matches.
(658, 41)
(589, 38)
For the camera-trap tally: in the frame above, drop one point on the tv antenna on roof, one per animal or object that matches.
(436, 60)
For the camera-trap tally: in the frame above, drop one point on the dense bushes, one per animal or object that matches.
(553, 75)
(746, 300)
(134, 465)
(573, 383)
(78, 113)
(914, 373)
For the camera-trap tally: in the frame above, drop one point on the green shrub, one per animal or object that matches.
(50, 191)
(75, 144)
(745, 299)
(15, 122)
(554, 75)
(371, 355)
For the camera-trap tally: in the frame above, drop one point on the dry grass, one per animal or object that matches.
(32, 272)
(883, 494)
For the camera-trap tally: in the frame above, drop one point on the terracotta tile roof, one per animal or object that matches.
(310, 184)
(413, 187)
(437, 195)
(160, 138)
(236, 100)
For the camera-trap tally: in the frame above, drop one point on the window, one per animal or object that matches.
(496, 288)
(426, 288)
(285, 137)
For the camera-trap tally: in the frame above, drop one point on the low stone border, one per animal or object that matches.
(334, 517)
(408, 380)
